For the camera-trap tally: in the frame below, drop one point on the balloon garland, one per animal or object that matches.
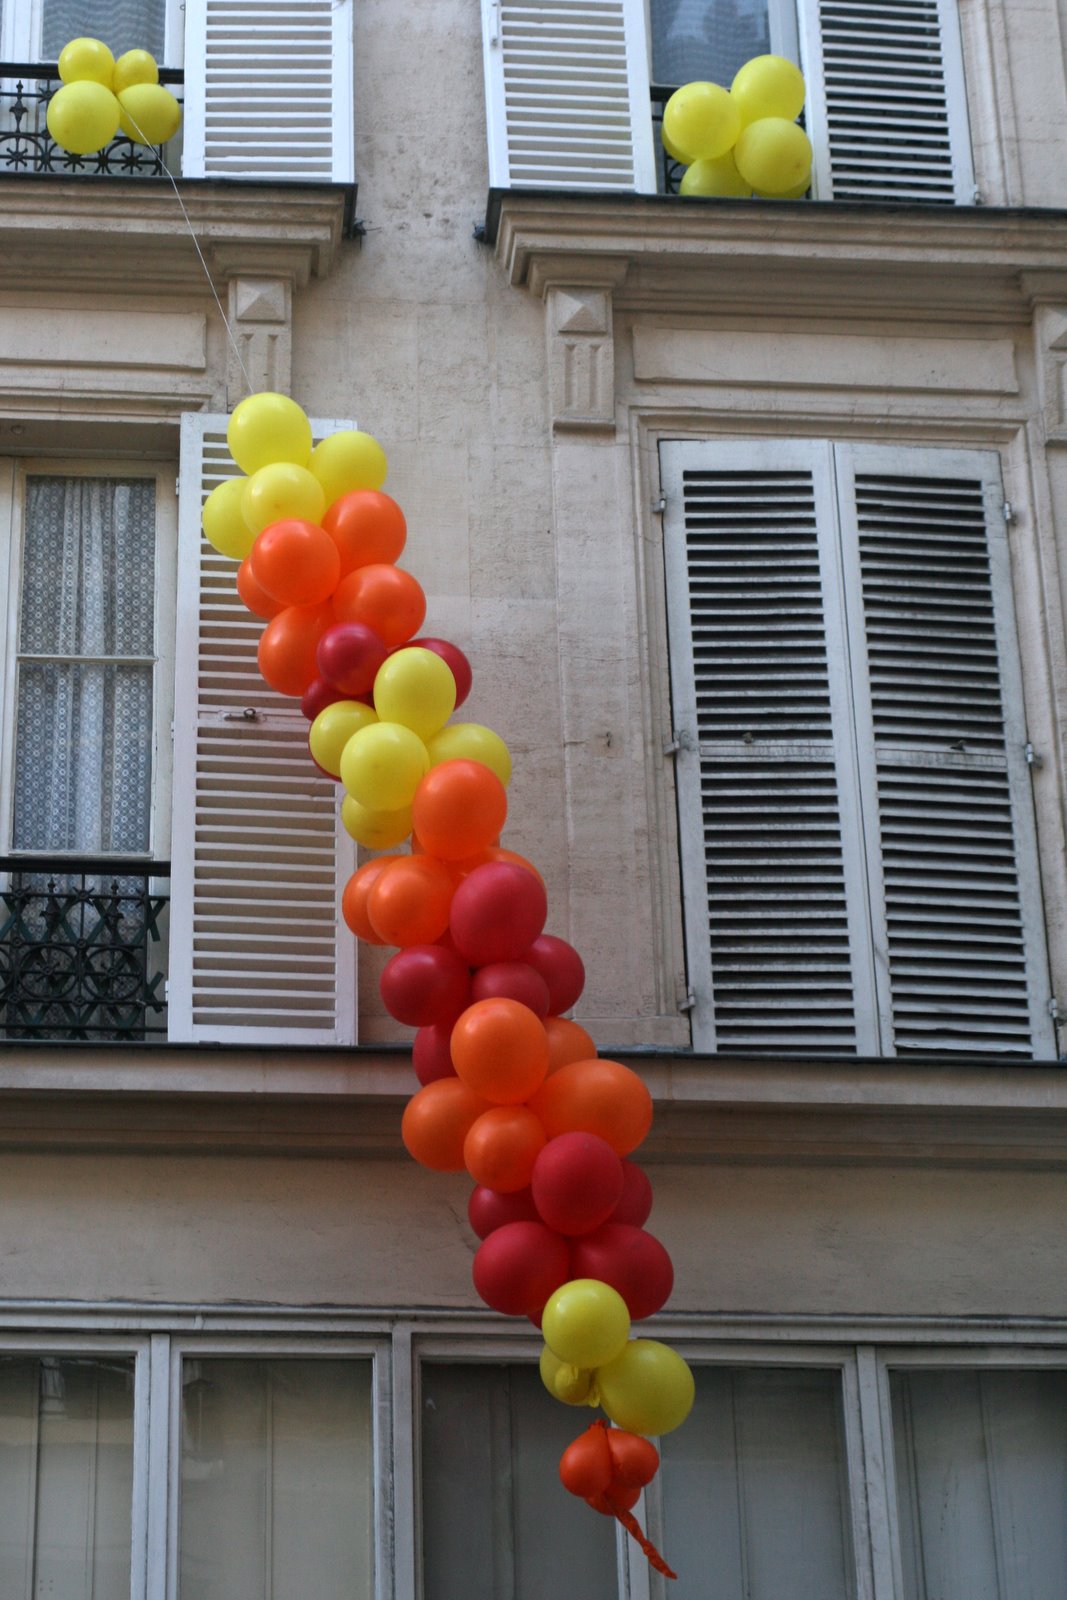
(511, 1090)
(101, 96)
(744, 139)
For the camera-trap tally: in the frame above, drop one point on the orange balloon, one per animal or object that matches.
(601, 1097)
(501, 1147)
(408, 904)
(458, 808)
(383, 598)
(256, 599)
(437, 1120)
(499, 1049)
(356, 891)
(366, 526)
(287, 647)
(296, 562)
(494, 852)
(567, 1042)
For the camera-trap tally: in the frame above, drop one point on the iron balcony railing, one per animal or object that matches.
(83, 943)
(668, 172)
(26, 145)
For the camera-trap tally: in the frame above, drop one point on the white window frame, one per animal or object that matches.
(20, 32)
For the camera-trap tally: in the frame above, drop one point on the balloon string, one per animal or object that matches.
(633, 1527)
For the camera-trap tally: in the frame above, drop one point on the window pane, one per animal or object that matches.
(754, 1489)
(706, 39)
(276, 1481)
(122, 24)
(495, 1518)
(66, 1478)
(981, 1473)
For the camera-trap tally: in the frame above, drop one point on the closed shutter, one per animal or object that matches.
(268, 90)
(258, 953)
(886, 109)
(567, 94)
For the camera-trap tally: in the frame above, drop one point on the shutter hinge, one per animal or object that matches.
(1033, 758)
(1053, 1009)
(1008, 512)
(680, 739)
(494, 21)
(688, 1002)
(976, 196)
(177, 486)
(659, 506)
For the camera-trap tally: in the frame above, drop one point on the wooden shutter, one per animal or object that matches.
(268, 90)
(887, 110)
(258, 952)
(567, 94)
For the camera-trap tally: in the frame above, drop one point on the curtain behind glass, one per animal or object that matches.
(706, 39)
(121, 24)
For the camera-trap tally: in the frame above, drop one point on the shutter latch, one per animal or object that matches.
(659, 505)
(1033, 759)
(1008, 512)
(680, 739)
(248, 714)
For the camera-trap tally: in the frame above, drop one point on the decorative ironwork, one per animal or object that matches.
(26, 146)
(82, 948)
(669, 171)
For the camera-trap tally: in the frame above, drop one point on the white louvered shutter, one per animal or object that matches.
(886, 108)
(567, 94)
(258, 951)
(268, 90)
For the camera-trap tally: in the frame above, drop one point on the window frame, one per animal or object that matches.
(21, 22)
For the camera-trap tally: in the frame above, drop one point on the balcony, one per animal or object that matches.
(27, 147)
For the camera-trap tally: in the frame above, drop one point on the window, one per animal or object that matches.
(692, 39)
(37, 30)
(858, 850)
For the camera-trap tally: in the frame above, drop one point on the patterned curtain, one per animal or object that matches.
(706, 39)
(121, 24)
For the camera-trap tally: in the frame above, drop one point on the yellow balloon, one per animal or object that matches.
(346, 461)
(675, 154)
(796, 193)
(268, 427)
(586, 1323)
(280, 491)
(718, 177)
(768, 86)
(701, 121)
(225, 529)
(150, 113)
(647, 1389)
(415, 687)
(774, 155)
(86, 61)
(572, 1385)
(135, 66)
(332, 729)
(83, 117)
(470, 741)
(383, 765)
(375, 830)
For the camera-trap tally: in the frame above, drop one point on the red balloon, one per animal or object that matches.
(612, 1501)
(586, 1467)
(488, 1209)
(511, 980)
(630, 1261)
(454, 660)
(635, 1461)
(296, 562)
(576, 1184)
(425, 984)
(519, 1266)
(497, 912)
(365, 525)
(431, 1054)
(349, 655)
(636, 1202)
(561, 967)
(317, 696)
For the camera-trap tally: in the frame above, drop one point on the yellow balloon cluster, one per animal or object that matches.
(100, 96)
(745, 139)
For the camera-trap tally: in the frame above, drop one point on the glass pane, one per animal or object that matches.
(122, 24)
(495, 1518)
(276, 1481)
(706, 39)
(981, 1473)
(754, 1489)
(66, 1478)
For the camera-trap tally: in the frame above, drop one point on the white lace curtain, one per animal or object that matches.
(121, 24)
(706, 39)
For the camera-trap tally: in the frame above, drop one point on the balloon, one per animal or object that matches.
(586, 1467)
(518, 1266)
(319, 694)
(500, 1150)
(83, 117)
(647, 1389)
(416, 688)
(456, 662)
(87, 61)
(294, 561)
(268, 427)
(635, 1461)
(601, 1097)
(493, 852)
(628, 1258)
(564, 1382)
(498, 910)
(567, 1042)
(256, 599)
(586, 1323)
(636, 1202)
(562, 969)
(425, 984)
(718, 177)
(332, 729)
(225, 529)
(134, 66)
(384, 598)
(774, 155)
(282, 492)
(499, 1048)
(408, 903)
(382, 765)
(488, 1210)
(469, 741)
(287, 644)
(701, 121)
(768, 86)
(576, 1184)
(150, 113)
(375, 830)
(349, 656)
(354, 898)
(435, 1124)
(797, 192)
(512, 980)
(368, 529)
(348, 460)
(431, 1056)
(459, 807)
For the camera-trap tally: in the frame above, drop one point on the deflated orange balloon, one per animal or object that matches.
(501, 1147)
(383, 598)
(601, 1097)
(408, 903)
(499, 1050)
(437, 1120)
(459, 809)
(287, 647)
(567, 1042)
(367, 527)
(354, 898)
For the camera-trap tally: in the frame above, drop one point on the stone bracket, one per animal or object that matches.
(260, 312)
(1050, 342)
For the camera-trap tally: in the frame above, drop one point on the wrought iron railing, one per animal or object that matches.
(82, 948)
(26, 145)
(669, 172)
